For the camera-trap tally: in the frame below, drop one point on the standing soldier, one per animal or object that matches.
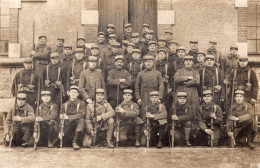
(168, 35)
(59, 47)
(128, 55)
(200, 61)
(105, 121)
(73, 112)
(128, 113)
(110, 30)
(89, 79)
(204, 114)
(149, 36)
(162, 44)
(194, 49)
(95, 51)
(212, 50)
(181, 114)
(21, 120)
(172, 55)
(136, 40)
(152, 49)
(128, 32)
(157, 114)
(48, 113)
(101, 39)
(179, 62)
(41, 55)
(67, 57)
(117, 76)
(145, 28)
(81, 44)
(242, 116)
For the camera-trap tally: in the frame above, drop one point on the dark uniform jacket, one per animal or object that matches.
(74, 109)
(194, 53)
(159, 112)
(183, 112)
(131, 112)
(76, 67)
(48, 111)
(42, 54)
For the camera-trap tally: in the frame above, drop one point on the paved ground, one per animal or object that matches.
(198, 157)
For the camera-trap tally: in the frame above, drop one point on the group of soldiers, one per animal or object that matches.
(134, 91)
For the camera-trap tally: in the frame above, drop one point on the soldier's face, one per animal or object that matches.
(94, 51)
(73, 94)
(99, 97)
(129, 49)
(92, 64)
(152, 47)
(149, 64)
(210, 62)
(182, 100)
(162, 55)
(136, 55)
(207, 98)
(43, 40)
(200, 58)
(145, 28)
(173, 47)
(181, 53)
(46, 98)
(212, 45)
(55, 60)
(239, 98)
(127, 97)
(21, 102)
(27, 65)
(128, 29)
(154, 99)
(110, 30)
(67, 51)
(79, 55)
(135, 39)
(149, 36)
(193, 45)
(188, 63)
(111, 40)
(243, 63)
(119, 64)
(115, 49)
(168, 36)
(101, 38)
(60, 43)
(162, 43)
(233, 51)
(81, 42)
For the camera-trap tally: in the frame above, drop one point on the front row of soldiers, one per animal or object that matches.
(94, 124)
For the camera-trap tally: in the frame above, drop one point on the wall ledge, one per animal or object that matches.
(11, 62)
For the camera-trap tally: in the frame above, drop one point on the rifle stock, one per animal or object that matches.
(95, 116)
(213, 111)
(11, 133)
(117, 118)
(36, 133)
(62, 120)
(174, 112)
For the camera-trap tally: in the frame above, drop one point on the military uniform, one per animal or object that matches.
(75, 70)
(59, 49)
(127, 35)
(66, 60)
(102, 45)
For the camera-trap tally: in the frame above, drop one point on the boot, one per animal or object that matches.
(50, 144)
(137, 143)
(75, 141)
(250, 142)
(109, 137)
(110, 144)
(187, 136)
(159, 145)
(75, 146)
(25, 144)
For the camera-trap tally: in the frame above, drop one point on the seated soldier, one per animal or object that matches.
(48, 112)
(181, 114)
(128, 112)
(157, 114)
(242, 119)
(19, 122)
(105, 122)
(204, 113)
(73, 112)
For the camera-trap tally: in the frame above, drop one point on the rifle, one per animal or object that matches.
(11, 133)
(117, 117)
(36, 133)
(173, 129)
(95, 116)
(213, 111)
(148, 127)
(33, 34)
(62, 120)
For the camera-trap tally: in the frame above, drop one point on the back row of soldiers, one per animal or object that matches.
(190, 92)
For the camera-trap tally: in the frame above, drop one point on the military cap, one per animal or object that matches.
(150, 31)
(128, 25)
(81, 37)
(131, 44)
(201, 52)
(194, 41)
(151, 42)
(239, 92)
(128, 91)
(60, 38)
(136, 50)
(234, 47)
(99, 90)
(206, 92)
(94, 46)
(116, 44)
(245, 57)
(168, 32)
(188, 57)
(125, 42)
(42, 35)
(55, 54)
(146, 25)
(74, 87)
(110, 25)
(101, 33)
(135, 34)
(112, 35)
(213, 42)
(148, 57)
(79, 50)
(154, 93)
(67, 46)
(162, 50)
(210, 57)
(28, 60)
(45, 92)
(173, 42)
(182, 94)
(181, 48)
(119, 57)
(162, 39)
(21, 96)
(92, 58)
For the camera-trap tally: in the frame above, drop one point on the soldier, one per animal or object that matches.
(149, 36)
(169, 36)
(247, 80)
(212, 50)
(145, 28)
(54, 78)
(181, 114)
(128, 113)
(128, 55)
(48, 112)
(60, 46)
(77, 66)
(73, 112)
(89, 79)
(200, 61)
(162, 43)
(204, 113)
(124, 45)
(117, 76)
(67, 57)
(188, 79)
(128, 32)
(207, 75)
(81, 44)
(41, 55)
(179, 61)
(157, 114)
(21, 120)
(194, 49)
(105, 121)
(101, 40)
(135, 38)
(172, 55)
(242, 116)
(26, 81)
(110, 30)
(95, 51)
(152, 49)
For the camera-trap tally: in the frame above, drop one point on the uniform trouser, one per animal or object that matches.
(182, 132)
(48, 128)
(21, 133)
(244, 129)
(38, 67)
(101, 133)
(129, 132)
(73, 129)
(204, 138)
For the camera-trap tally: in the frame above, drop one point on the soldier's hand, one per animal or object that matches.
(38, 118)
(213, 115)
(104, 101)
(92, 133)
(230, 134)
(146, 133)
(253, 101)
(166, 76)
(99, 118)
(233, 118)
(72, 78)
(7, 137)
(58, 83)
(218, 87)
(119, 110)
(209, 131)
(47, 83)
(17, 118)
(248, 85)
(65, 116)
(30, 87)
(60, 135)
(139, 101)
(170, 90)
(226, 82)
(222, 100)
(33, 52)
(122, 80)
(89, 101)
(149, 115)
(175, 117)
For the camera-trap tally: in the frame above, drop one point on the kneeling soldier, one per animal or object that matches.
(105, 121)
(73, 112)
(156, 112)
(19, 121)
(204, 113)
(241, 118)
(128, 112)
(181, 114)
(48, 111)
